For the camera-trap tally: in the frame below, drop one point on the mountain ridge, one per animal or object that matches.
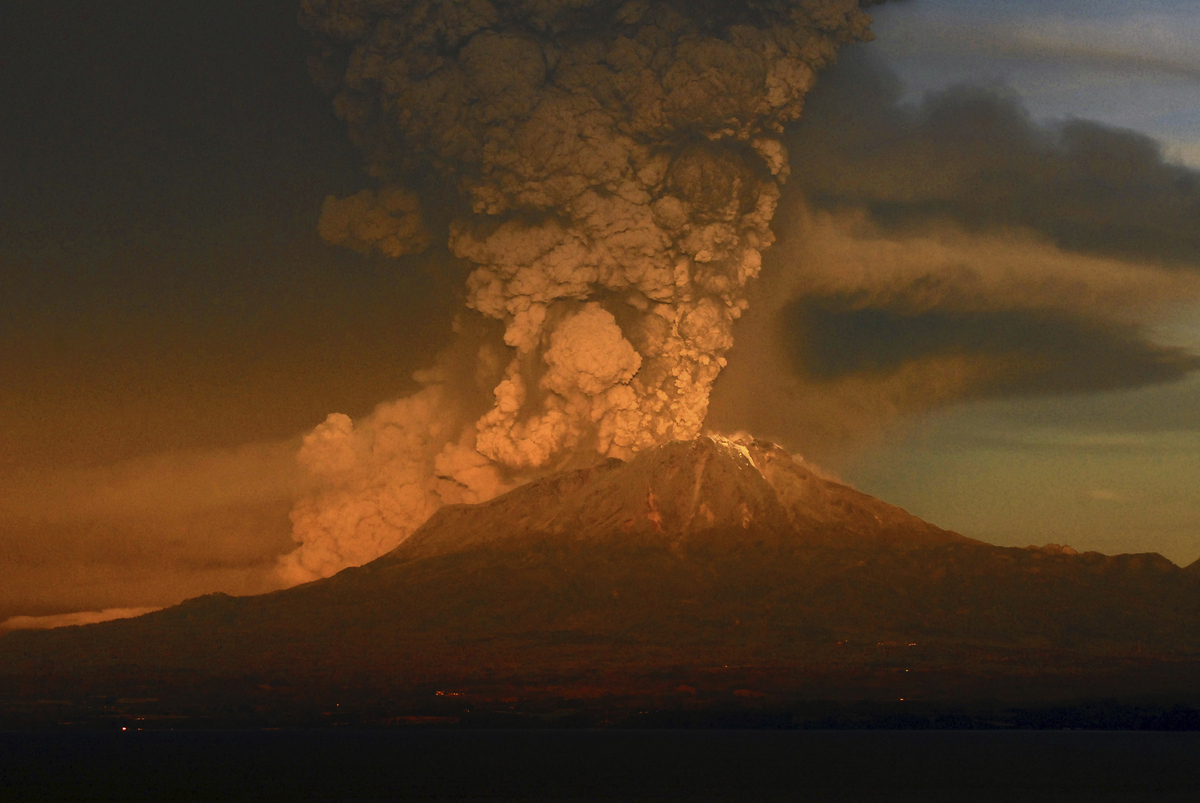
(760, 487)
(630, 579)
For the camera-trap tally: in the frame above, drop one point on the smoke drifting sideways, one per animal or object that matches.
(955, 249)
(71, 619)
(613, 169)
(144, 533)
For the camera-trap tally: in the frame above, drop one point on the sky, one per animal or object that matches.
(1111, 471)
(171, 322)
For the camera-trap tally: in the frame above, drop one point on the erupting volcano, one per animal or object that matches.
(610, 171)
(545, 517)
(699, 573)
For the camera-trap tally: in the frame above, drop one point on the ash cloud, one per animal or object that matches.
(614, 167)
(974, 156)
(955, 250)
(1053, 352)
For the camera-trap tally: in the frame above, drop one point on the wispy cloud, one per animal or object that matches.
(1156, 43)
(1064, 439)
(70, 619)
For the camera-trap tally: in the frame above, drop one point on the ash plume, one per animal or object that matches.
(955, 249)
(615, 167)
(975, 156)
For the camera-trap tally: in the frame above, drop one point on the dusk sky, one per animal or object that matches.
(1112, 471)
(171, 322)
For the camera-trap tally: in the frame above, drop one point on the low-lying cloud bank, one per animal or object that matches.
(71, 619)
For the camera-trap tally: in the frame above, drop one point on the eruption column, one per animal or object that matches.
(618, 166)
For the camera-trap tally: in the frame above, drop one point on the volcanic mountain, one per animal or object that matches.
(712, 564)
(709, 493)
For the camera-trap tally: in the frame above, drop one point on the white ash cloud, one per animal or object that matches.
(380, 479)
(376, 480)
(617, 166)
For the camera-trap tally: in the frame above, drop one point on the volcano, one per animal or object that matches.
(700, 571)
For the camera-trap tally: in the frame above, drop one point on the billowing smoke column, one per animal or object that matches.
(621, 164)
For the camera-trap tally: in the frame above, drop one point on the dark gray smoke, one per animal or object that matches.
(831, 338)
(975, 156)
(955, 249)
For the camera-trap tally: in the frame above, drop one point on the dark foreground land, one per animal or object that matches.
(352, 764)
(581, 638)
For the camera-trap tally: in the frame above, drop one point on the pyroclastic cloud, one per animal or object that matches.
(608, 171)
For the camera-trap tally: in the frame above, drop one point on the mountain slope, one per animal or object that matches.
(710, 491)
(696, 555)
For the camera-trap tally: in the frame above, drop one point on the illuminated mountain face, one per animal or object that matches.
(712, 491)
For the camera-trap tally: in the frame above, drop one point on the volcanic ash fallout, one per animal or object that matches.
(617, 167)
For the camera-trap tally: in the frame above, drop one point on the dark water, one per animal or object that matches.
(600, 765)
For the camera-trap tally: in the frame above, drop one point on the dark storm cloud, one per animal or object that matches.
(974, 155)
(955, 249)
(1049, 352)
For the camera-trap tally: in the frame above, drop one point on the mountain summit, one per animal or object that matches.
(712, 563)
(711, 491)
